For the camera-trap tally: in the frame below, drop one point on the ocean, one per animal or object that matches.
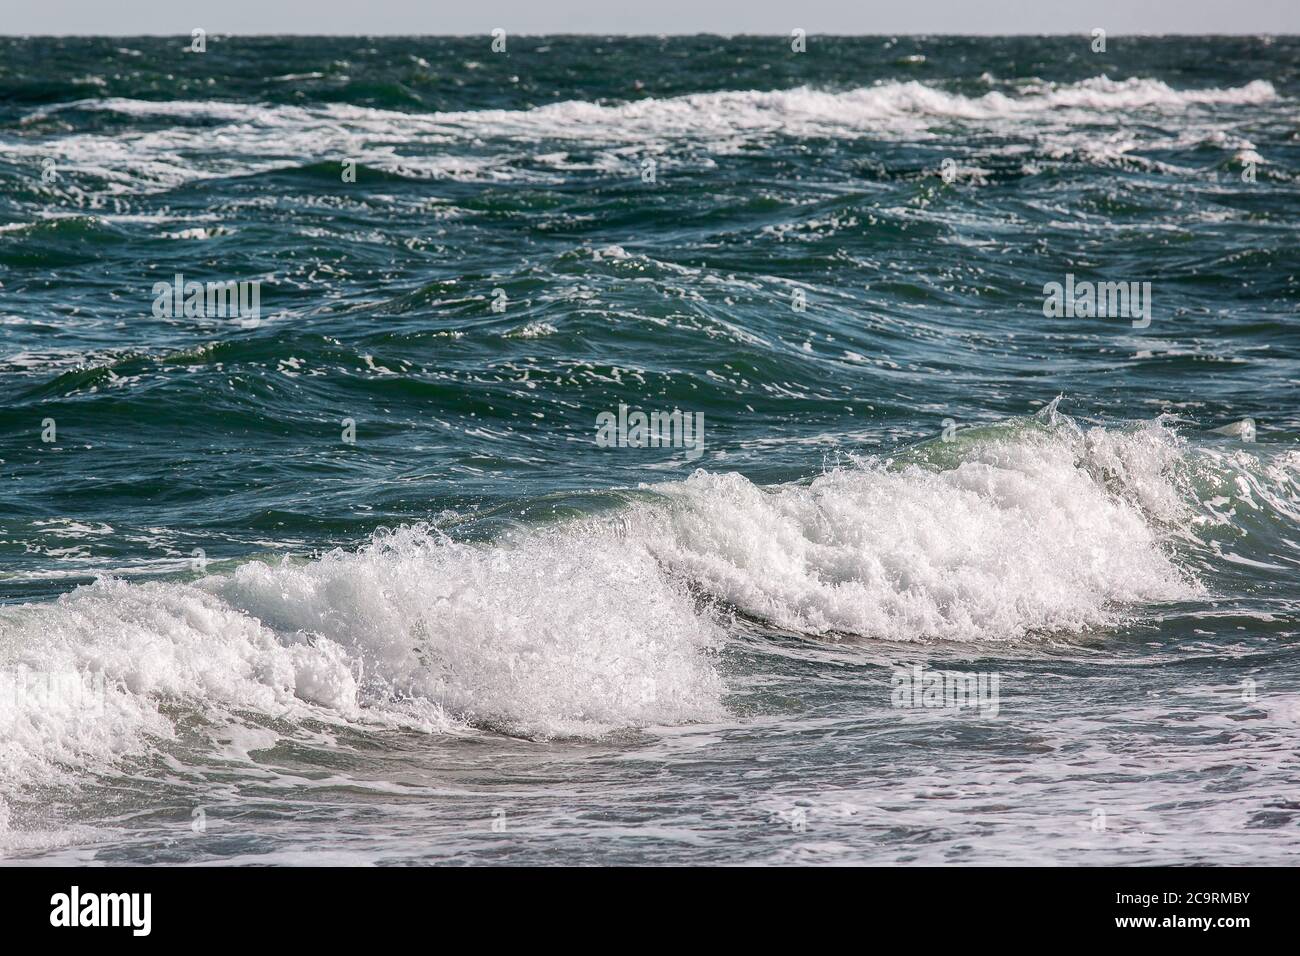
(649, 450)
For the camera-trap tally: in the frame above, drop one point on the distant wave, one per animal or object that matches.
(257, 138)
(771, 109)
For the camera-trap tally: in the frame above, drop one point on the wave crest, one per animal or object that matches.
(1006, 533)
(1023, 535)
(258, 138)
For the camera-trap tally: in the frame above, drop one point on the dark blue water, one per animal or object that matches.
(375, 566)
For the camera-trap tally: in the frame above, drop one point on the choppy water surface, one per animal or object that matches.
(356, 582)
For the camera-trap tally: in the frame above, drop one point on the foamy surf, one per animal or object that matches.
(1006, 534)
(557, 635)
(717, 111)
(1020, 535)
(262, 138)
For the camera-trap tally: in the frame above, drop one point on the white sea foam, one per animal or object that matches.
(552, 635)
(1040, 531)
(562, 632)
(1007, 533)
(717, 112)
(252, 138)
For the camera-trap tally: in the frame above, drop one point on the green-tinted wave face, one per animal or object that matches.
(361, 397)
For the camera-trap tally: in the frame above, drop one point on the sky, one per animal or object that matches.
(424, 17)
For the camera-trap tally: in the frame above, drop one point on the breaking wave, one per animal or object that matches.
(260, 138)
(1004, 533)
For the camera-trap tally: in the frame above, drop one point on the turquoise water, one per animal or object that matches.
(356, 577)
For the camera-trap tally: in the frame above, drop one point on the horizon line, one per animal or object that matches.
(649, 34)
